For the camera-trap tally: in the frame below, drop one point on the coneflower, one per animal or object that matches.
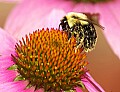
(44, 60)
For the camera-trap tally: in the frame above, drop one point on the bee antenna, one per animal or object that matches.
(59, 26)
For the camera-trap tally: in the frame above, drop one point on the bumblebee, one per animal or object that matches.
(82, 28)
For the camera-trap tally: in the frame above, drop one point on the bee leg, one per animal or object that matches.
(59, 26)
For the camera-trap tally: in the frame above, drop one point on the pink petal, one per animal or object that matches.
(111, 21)
(23, 20)
(13, 86)
(78, 89)
(91, 85)
(5, 62)
(7, 43)
(52, 20)
(7, 76)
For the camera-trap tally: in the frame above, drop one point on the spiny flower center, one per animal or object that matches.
(48, 60)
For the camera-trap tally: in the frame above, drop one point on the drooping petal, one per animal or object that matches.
(111, 21)
(5, 62)
(7, 76)
(28, 19)
(7, 43)
(18, 86)
(52, 20)
(91, 85)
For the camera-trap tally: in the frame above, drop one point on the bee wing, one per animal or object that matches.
(90, 21)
